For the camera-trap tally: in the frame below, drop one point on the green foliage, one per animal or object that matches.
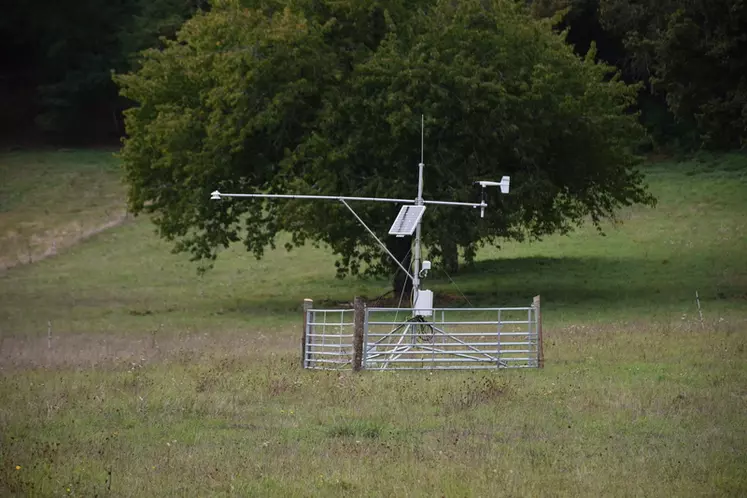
(580, 19)
(326, 98)
(493, 86)
(695, 53)
(221, 106)
(156, 19)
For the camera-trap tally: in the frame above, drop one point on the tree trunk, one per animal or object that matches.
(400, 248)
(450, 255)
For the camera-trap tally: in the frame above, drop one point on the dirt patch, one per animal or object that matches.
(51, 242)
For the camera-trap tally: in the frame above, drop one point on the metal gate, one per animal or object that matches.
(474, 338)
(328, 339)
(449, 338)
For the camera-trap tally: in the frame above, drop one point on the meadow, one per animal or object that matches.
(123, 372)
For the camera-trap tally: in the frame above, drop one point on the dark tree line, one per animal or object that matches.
(689, 55)
(58, 57)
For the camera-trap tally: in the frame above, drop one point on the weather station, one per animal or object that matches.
(419, 334)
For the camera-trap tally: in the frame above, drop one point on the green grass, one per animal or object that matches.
(51, 200)
(653, 262)
(158, 382)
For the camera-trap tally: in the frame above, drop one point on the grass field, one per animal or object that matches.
(124, 373)
(51, 200)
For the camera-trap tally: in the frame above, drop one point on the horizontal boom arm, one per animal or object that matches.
(216, 195)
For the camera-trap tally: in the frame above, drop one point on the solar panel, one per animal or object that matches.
(407, 220)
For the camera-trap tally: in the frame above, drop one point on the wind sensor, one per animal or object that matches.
(503, 184)
(408, 221)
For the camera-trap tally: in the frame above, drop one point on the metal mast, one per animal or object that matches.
(419, 202)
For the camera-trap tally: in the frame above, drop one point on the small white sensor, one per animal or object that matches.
(504, 184)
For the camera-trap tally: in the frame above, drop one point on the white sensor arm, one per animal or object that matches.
(504, 184)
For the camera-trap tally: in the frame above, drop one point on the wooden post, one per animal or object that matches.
(307, 305)
(358, 332)
(540, 347)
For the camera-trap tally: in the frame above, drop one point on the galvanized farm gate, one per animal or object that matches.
(448, 338)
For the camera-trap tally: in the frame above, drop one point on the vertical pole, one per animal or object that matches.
(307, 305)
(416, 266)
(538, 319)
(358, 333)
(418, 202)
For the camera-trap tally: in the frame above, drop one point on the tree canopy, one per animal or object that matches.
(325, 97)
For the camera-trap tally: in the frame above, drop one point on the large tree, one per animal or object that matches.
(325, 97)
